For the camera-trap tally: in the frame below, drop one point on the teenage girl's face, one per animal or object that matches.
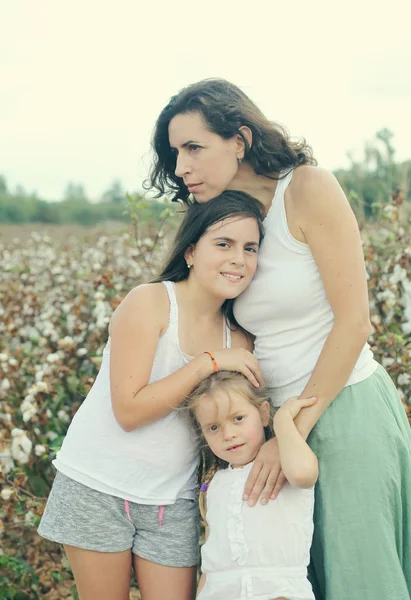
(232, 426)
(205, 161)
(224, 260)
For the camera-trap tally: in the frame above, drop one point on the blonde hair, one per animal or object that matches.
(223, 381)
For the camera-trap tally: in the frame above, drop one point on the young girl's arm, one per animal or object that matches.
(298, 461)
(135, 330)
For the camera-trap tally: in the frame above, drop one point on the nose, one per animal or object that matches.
(237, 257)
(229, 432)
(182, 165)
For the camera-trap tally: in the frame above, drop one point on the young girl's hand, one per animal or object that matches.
(292, 407)
(241, 361)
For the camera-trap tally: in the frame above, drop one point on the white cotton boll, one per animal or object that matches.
(40, 386)
(5, 385)
(51, 435)
(6, 493)
(20, 446)
(81, 352)
(13, 362)
(39, 450)
(39, 376)
(66, 342)
(63, 416)
(53, 357)
(28, 412)
(404, 379)
(29, 517)
(3, 357)
(6, 461)
(387, 361)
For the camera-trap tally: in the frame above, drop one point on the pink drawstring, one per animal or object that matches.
(127, 509)
(160, 515)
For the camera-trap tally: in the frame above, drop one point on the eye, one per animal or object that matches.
(252, 249)
(194, 147)
(223, 245)
(238, 418)
(213, 428)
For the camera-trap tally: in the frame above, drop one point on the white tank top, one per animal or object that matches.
(154, 464)
(287, 309)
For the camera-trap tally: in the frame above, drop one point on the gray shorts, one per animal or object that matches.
(79, 516)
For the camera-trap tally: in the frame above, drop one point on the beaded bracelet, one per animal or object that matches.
(213, 360)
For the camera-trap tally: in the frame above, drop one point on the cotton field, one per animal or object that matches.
(56, 298)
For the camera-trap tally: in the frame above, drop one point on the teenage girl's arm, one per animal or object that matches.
(135, 330)
(319, 214)
(298, 461)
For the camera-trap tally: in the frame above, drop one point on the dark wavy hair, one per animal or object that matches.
(224, 108)
(197, 219)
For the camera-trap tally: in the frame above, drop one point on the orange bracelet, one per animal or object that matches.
(213, 360)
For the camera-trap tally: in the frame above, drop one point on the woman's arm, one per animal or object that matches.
(298, 461)
(135, 330)
(322, 217)
(331, 231)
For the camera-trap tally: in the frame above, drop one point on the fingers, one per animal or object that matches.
(304, 402)
(250, 376)
(259, 485)
(279, 485)
(251, 479)
(270, 485)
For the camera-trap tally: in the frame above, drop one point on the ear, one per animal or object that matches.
(265, 413)
(248, 135)
(189, 255)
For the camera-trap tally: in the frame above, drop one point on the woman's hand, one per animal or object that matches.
(265, 476)
(241, 361)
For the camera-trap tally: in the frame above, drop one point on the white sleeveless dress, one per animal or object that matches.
(260, 552)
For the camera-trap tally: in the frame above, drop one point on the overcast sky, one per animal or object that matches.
(82, 81)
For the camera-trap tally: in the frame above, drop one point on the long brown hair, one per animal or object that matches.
(225, 108)
(223, 381)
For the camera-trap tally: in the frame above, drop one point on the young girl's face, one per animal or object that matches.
(224, 260)
(232, 426)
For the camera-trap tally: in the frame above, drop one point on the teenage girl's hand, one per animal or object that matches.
(293, 406)
(265, 476)
(240, 360)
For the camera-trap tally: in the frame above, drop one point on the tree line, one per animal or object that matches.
(369, 182)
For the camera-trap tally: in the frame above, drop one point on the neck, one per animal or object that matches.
(197, 301)
(259, 186)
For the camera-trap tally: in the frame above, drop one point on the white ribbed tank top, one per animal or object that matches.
(154, 464)
(287, 309)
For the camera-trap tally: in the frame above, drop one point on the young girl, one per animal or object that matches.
(124, 492)
(259, 553)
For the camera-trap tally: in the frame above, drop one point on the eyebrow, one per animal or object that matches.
(227, 239)
(185, 144)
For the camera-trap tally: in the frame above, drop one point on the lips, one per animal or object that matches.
(232, 276)
(192, 187)
(235, 447)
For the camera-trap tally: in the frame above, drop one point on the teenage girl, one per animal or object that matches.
(259, 553)
(124, 493)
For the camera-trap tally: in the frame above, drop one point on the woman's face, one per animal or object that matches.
(206, 162)
(224, 260)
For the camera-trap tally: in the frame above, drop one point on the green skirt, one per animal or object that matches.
(362, 520)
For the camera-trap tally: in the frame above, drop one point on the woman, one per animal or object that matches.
(308, 309)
